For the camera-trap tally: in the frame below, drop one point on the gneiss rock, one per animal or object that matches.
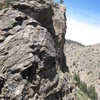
(31, 52)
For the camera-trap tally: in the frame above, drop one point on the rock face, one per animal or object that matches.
(84, 60)
(32, 62)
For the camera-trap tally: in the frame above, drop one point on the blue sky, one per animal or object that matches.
(83, 21)
(84, 10)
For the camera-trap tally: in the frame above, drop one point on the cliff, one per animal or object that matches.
(32, 62)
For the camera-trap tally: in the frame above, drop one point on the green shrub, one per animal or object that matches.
(6, 4)
(1, 6)
(77, 78)
(83, 87)
(91, 93)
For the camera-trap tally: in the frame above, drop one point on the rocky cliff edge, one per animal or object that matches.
(32, 63)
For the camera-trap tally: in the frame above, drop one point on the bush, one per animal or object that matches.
(77, 78)
(83, 87)
(6, 4)
(89, 91)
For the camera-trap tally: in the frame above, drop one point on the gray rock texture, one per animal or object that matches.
(32, 62)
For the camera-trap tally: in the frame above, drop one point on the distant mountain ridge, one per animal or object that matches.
(74, 42)
(71, 45)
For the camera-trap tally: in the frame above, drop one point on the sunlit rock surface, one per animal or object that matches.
(32, 62)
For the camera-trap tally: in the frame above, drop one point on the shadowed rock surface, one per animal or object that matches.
(32, 62)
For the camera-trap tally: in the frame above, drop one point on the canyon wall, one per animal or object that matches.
(32, 62)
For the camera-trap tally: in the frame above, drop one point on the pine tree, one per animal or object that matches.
(61, 1)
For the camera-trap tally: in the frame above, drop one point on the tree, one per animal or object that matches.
(88, 90)
(77, 78)
(61, 1)
(83, 87)
(91, 93)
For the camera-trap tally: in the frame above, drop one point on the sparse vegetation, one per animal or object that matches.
(99, 75)
(77, 78)
(4, 4)
(81, 96)
(60, 1)
(83, 87)
(74, 63)
(89, 91)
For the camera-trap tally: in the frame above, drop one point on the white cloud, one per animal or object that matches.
(82, 32)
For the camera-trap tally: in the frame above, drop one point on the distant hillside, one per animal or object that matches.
(84, 60)
(71, 42)
(72, 45)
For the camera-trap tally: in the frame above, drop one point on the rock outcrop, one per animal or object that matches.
(32, 62)
(84, 60)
